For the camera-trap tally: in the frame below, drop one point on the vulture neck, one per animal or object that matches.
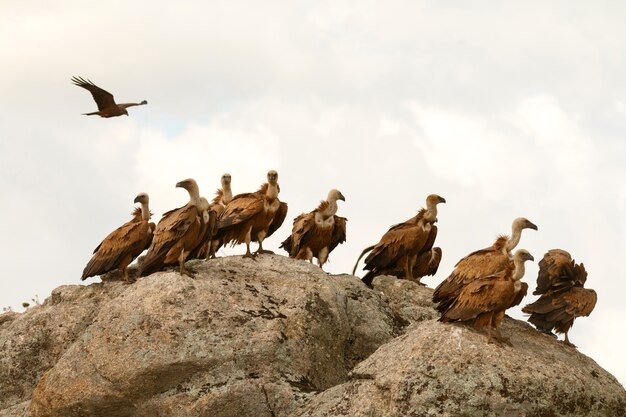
(194, 198)
(431, 212)
(516, 235)
(227, 194)
(272, 191)
(145, 211)
(519, 270)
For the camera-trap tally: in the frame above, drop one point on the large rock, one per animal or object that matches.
(32, 342)
(243, 338)
(278, 337)
(440, 369)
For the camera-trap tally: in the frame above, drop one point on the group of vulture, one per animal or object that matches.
(482, 286)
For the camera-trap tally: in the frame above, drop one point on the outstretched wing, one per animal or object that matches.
(103, 98)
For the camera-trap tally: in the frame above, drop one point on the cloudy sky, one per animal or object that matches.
(506, 110)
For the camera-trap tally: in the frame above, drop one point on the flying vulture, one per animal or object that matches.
(480, 263)
(404, 245)
(107, 107)
(562, 297)
(317, 233)
(123, 244)
(483, 301)
(253, 217)
(179, 232)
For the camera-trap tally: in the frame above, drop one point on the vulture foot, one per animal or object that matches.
(250, 255)
(570, 344)
(264, 251)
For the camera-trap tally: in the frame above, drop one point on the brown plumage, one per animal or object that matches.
(253, 216)
(317, 233)
(560, 283)
(124, 244)
(106, 104)
(483, 301)
(178, 233)
(480, 263)
(399, 250)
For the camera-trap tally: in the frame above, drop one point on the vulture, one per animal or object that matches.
(483, 301)
(222, 198)
(404, 245)
(124, 244)
(480, 263)
(178, 233)
(253, 216)
(562, 297)
(107, 107)
(317, 233)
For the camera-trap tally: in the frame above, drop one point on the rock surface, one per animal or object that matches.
(278, 337)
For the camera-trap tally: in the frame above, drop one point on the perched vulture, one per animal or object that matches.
(178, 233)
(252, 217)
(483, 301)
(562, 297)
(107, 107)
(317, 233)
(222, 198)
(123, 244)
(480, 263)
(404, 245)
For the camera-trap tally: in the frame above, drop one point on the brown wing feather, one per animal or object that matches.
(301, 227)
(279, 218)
(519, 296)
(171, 228)
(477, 264)
(103, 98)
(339, 232)
(487, 294)
(240, 208)
(119, 248)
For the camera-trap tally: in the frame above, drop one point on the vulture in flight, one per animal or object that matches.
(178, 232)
(406, 250)
(253, 217)
(480, 263)
(483, 301)
(124, 244)
(107, 107)
(317, 233)
(562, 297)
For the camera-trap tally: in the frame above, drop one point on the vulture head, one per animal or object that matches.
(523, 223)
(225, 180)
(523, 255)
(191, 186)
(434, 199)
(334, 195)
(272, 177)
(142, 198)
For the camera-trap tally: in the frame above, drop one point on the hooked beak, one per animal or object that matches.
(442, 200)
(137, 200)
(531, 258)
(531, 225)
(181, 184)
(341, 197)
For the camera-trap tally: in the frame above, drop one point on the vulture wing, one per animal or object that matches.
(559, 272)
(103, 98)
(240, 208)
(520, 295)
(427, 263)
(302, 225)
(171, 228)
(477, 264)
(339, 232)
(279, 218)
(121, 246)
(479, 296)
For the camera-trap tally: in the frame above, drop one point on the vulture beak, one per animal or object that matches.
(530, 225)
(181, 184)
(442, 200)
(137, 199)
(341, 197)
(530, 257)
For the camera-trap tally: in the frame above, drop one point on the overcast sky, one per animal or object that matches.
(506, 110)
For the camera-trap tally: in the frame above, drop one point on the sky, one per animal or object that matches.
(505, 109)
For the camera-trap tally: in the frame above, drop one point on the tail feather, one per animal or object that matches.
(368, 249)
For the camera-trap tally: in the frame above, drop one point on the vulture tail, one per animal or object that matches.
(369, 248)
